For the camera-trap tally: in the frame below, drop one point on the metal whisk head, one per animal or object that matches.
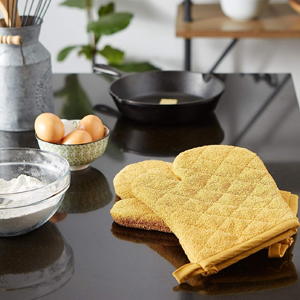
(34, 12)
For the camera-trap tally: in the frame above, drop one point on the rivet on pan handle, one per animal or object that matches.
(10, 39)
(108, 70)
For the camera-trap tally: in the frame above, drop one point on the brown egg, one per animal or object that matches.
(77, 137)
(93, 125)
(49, 128)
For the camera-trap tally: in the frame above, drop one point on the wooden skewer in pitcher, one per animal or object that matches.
(10, 13)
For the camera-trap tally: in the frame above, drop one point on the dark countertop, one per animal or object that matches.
(86, 256)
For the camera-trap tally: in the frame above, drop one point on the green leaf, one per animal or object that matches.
(133, 67)
(109, 24)
(106, 9)
(97, 38)
(65, 52)
(86, 50)
(83, 4)
(113, 56)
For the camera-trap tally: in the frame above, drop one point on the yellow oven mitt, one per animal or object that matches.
(122, 181)
(131, 212)
(223, 207)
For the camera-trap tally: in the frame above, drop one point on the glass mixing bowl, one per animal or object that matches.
(24, 211)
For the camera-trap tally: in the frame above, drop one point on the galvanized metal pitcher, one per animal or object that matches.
(25, 78)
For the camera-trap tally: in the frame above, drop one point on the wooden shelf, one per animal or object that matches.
(208, 20)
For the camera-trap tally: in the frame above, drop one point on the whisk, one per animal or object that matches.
(39, 7)
(33, 13)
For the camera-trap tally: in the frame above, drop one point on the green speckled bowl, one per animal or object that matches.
(78, 156)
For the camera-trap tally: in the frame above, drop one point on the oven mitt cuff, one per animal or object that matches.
(278, 250)
(219, 262)
(191, 270)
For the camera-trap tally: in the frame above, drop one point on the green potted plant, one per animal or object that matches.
(106, 22)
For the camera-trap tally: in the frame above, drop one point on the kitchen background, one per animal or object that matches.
(151, 37)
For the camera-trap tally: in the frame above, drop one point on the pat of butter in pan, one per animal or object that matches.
(168, 101)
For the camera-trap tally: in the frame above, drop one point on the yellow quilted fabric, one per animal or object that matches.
(223, 207)
(122, 181)
(133, 213)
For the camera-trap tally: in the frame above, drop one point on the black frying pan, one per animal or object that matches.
(137, 95)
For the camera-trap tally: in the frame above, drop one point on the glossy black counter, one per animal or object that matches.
(84, 255)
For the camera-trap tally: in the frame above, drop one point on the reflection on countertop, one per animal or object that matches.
(256, 111)
(18, 139)
(163, 140)
(254, 273)
(89, 191)
(76, 103)
(35, 264)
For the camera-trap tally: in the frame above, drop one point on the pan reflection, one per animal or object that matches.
(254, 273)
(89, 190)
(35, 264)
(164, 140)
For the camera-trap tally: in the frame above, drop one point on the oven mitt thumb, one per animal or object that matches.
(223, 207)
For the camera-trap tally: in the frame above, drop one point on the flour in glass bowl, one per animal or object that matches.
(20, 184)
(16, 216)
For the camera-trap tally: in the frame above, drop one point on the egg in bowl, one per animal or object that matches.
(76, 146)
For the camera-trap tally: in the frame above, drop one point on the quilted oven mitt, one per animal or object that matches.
(223, 207)
(133, 213)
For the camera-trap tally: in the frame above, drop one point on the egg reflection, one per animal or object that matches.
(35, 264)
(89, 190)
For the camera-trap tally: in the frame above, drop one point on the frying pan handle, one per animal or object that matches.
(107, 110)
(105, 69)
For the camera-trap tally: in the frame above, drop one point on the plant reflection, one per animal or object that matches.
(254, 273)
(77, 104)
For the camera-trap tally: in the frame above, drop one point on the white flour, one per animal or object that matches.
(20, 184)
(18, 219)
